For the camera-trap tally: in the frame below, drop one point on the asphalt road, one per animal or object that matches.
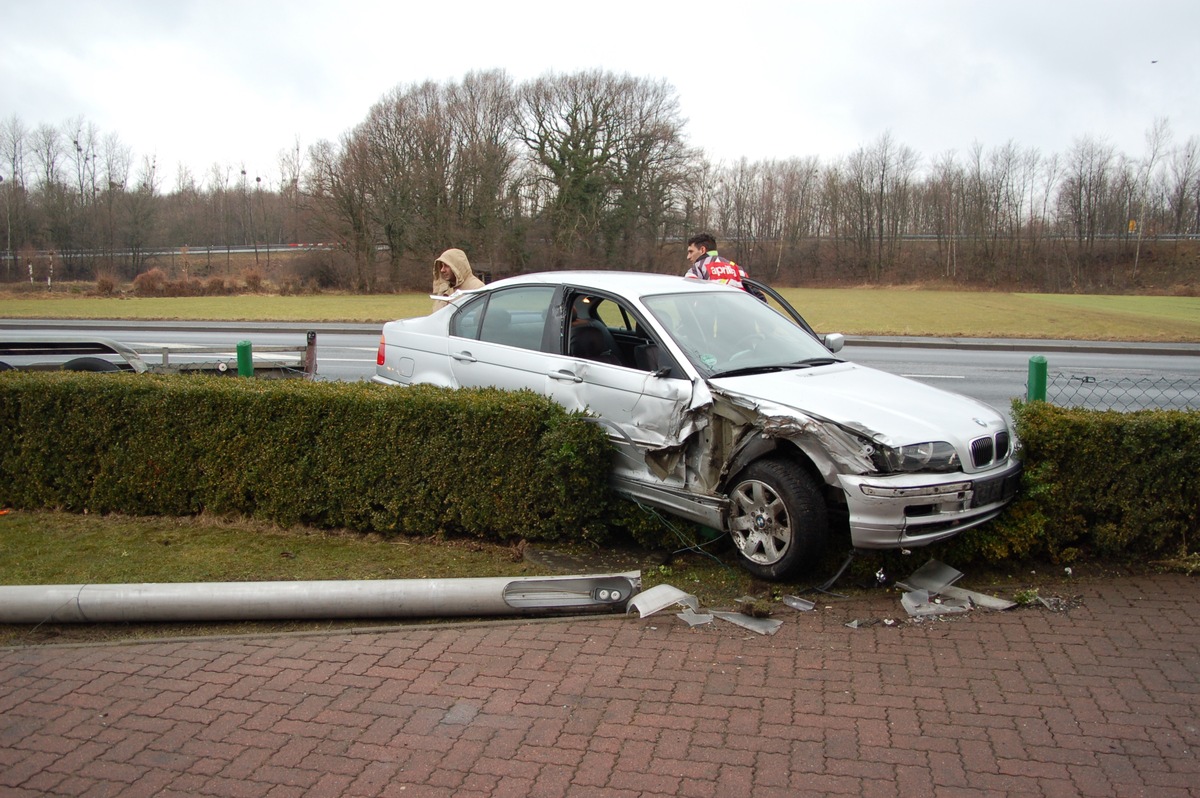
(992, 370)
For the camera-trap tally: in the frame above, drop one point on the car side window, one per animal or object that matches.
(606, 330)
(512, 317)
(614, 317)
(465, 323)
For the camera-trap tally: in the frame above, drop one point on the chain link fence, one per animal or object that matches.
(1124, 394)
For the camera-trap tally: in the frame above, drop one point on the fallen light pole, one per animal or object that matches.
(364, 598)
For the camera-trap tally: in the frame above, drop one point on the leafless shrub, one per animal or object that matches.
(254, 280)
(187, 286)
(323, 271)
(106, 284)
(150, 283)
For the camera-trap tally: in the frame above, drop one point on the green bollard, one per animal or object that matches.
(1036, 390)
(245, 359)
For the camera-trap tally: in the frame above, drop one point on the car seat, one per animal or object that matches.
(599, 343)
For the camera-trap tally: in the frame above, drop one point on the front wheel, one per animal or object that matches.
(777, 519)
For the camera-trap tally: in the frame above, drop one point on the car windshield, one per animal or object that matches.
(725, 333)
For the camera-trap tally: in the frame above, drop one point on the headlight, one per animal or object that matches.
(935, 456)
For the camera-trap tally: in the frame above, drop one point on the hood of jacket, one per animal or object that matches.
(456, 259)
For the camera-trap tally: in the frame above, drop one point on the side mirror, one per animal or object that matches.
(834, 342)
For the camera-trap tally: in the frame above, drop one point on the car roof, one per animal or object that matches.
(616, 282)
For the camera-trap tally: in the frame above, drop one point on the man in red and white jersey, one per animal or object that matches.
(708, 265)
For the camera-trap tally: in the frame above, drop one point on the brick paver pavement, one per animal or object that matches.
(1099, 700)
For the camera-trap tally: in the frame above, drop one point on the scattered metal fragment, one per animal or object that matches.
(763, 626)
(933, 576)
(918, 604)
(797, 603)
(858, 624)
(1054, 603)
(693, 618)
(660, 597)
(930, 591)
(981, 600)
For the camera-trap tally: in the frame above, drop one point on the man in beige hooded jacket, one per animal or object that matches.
(452, 273)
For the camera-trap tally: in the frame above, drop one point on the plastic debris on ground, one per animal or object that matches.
(933, 577)
(919, 604)
(693, 618)
(660, 597)
(981, 600)
(930, 592)
(797, 603)
(763, 626)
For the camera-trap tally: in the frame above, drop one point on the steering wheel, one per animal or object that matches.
(746, 346)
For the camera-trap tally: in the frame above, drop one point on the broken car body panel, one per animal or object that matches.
(696, 381)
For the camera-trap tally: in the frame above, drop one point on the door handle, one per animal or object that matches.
(464, 357)
(563, 375)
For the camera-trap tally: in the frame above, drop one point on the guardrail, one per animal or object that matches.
(52, 352)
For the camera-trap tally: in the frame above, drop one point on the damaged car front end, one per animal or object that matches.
(725, 410)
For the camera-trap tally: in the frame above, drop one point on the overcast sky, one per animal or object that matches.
(203, 82)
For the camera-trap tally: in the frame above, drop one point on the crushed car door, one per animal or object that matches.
(612, 367)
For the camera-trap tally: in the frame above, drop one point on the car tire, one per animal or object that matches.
(777, 519)
(4, 366)
(98, 364)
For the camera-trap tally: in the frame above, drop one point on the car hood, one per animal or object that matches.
(890, 409)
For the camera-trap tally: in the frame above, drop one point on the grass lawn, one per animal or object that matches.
(853, 311)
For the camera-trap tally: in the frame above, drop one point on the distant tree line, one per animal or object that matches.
(592, 169)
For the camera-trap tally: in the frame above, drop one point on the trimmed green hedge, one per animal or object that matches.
(1099, 484)
(504, 465)
(354, 455)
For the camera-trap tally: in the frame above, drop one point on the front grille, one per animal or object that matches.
(983, 451)
(1002, 444)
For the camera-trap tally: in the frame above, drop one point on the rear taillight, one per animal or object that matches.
(379, 355)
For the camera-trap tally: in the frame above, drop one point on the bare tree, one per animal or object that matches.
(141, 208)
(798, 187)
(339, 183)
(892, 168)
(13, 143)
(1157, 138)
(48, 153)
(1184, 170)
(481, 113)
(291, 169)
(1084, 192)
(859, 209)
(945, 195)
(403, 150)
(738, 193)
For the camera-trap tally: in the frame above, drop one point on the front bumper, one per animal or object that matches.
(919, 509)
